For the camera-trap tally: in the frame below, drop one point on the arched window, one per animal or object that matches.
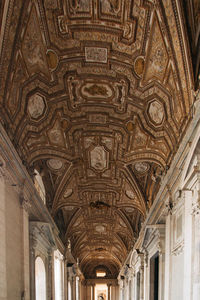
(77, 288)
(39, 185)
(58, 275)
(40, 279)
(69, 290)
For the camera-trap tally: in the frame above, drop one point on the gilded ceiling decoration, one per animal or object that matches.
(96, 96)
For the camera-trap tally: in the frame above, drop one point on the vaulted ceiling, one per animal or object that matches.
(96, 96)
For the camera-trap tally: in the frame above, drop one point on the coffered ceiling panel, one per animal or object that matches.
(96, 97)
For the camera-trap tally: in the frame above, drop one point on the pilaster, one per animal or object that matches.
(196, 247)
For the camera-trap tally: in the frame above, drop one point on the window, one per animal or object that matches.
(69, 291)
(77, 288)
(40, 279)
(100, 274)
(58, 275)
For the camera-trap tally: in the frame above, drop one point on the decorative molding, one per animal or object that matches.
(43, 234)
(178, 249)
(154, 237)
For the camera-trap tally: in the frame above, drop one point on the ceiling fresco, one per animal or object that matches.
(96, 97)
(192, 17)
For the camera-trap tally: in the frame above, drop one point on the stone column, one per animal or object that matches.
(33, 244)
(196, 251)
(142, 282)
(161, 250)
(49, 277)
(121, 287)
(131, 285)
(126, 289)
(109, 287)
(146, 277)
(93, 291)
(73, 296)
(133, 296)
(187, 245)
(89, 295)
(84, 290)
(25, 251)
(167, 256)
(65, 281)
(3, 289)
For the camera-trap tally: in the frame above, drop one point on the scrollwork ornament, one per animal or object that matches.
(25, 203)
(4, 174)
(50, 259)
(33, 244)
(146, 259)
(159, 246)
(196, 207)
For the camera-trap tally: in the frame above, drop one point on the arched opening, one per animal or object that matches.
(40, 279)
(101, 292)
(58, 275)
(40, 186)
(69, 290)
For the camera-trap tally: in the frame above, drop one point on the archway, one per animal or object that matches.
(40, 279)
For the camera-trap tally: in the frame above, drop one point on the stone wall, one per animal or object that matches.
(12, 246)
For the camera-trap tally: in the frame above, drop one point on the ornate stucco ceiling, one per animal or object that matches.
(96, 95)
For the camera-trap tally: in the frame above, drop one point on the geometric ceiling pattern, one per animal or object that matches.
(96, 97)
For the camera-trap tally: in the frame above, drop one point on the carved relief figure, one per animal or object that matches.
(96, 90)
(36, 106)
(80, 5)
(56, 135)
(94, 54)
(157, 59)
(55, 164)
(156, 112)
(109, 6)
(140, 138)
(141, 167)
(32, 47)
(98, 157)
(93, 90)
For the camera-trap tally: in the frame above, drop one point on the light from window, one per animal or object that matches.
(40, 279)
(100, 274)
(58, 275)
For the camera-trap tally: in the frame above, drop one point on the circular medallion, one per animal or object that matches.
(139, 66)
(52, 59)
(156, 112)
(100, 228)
(36, 106)
(130, 126)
